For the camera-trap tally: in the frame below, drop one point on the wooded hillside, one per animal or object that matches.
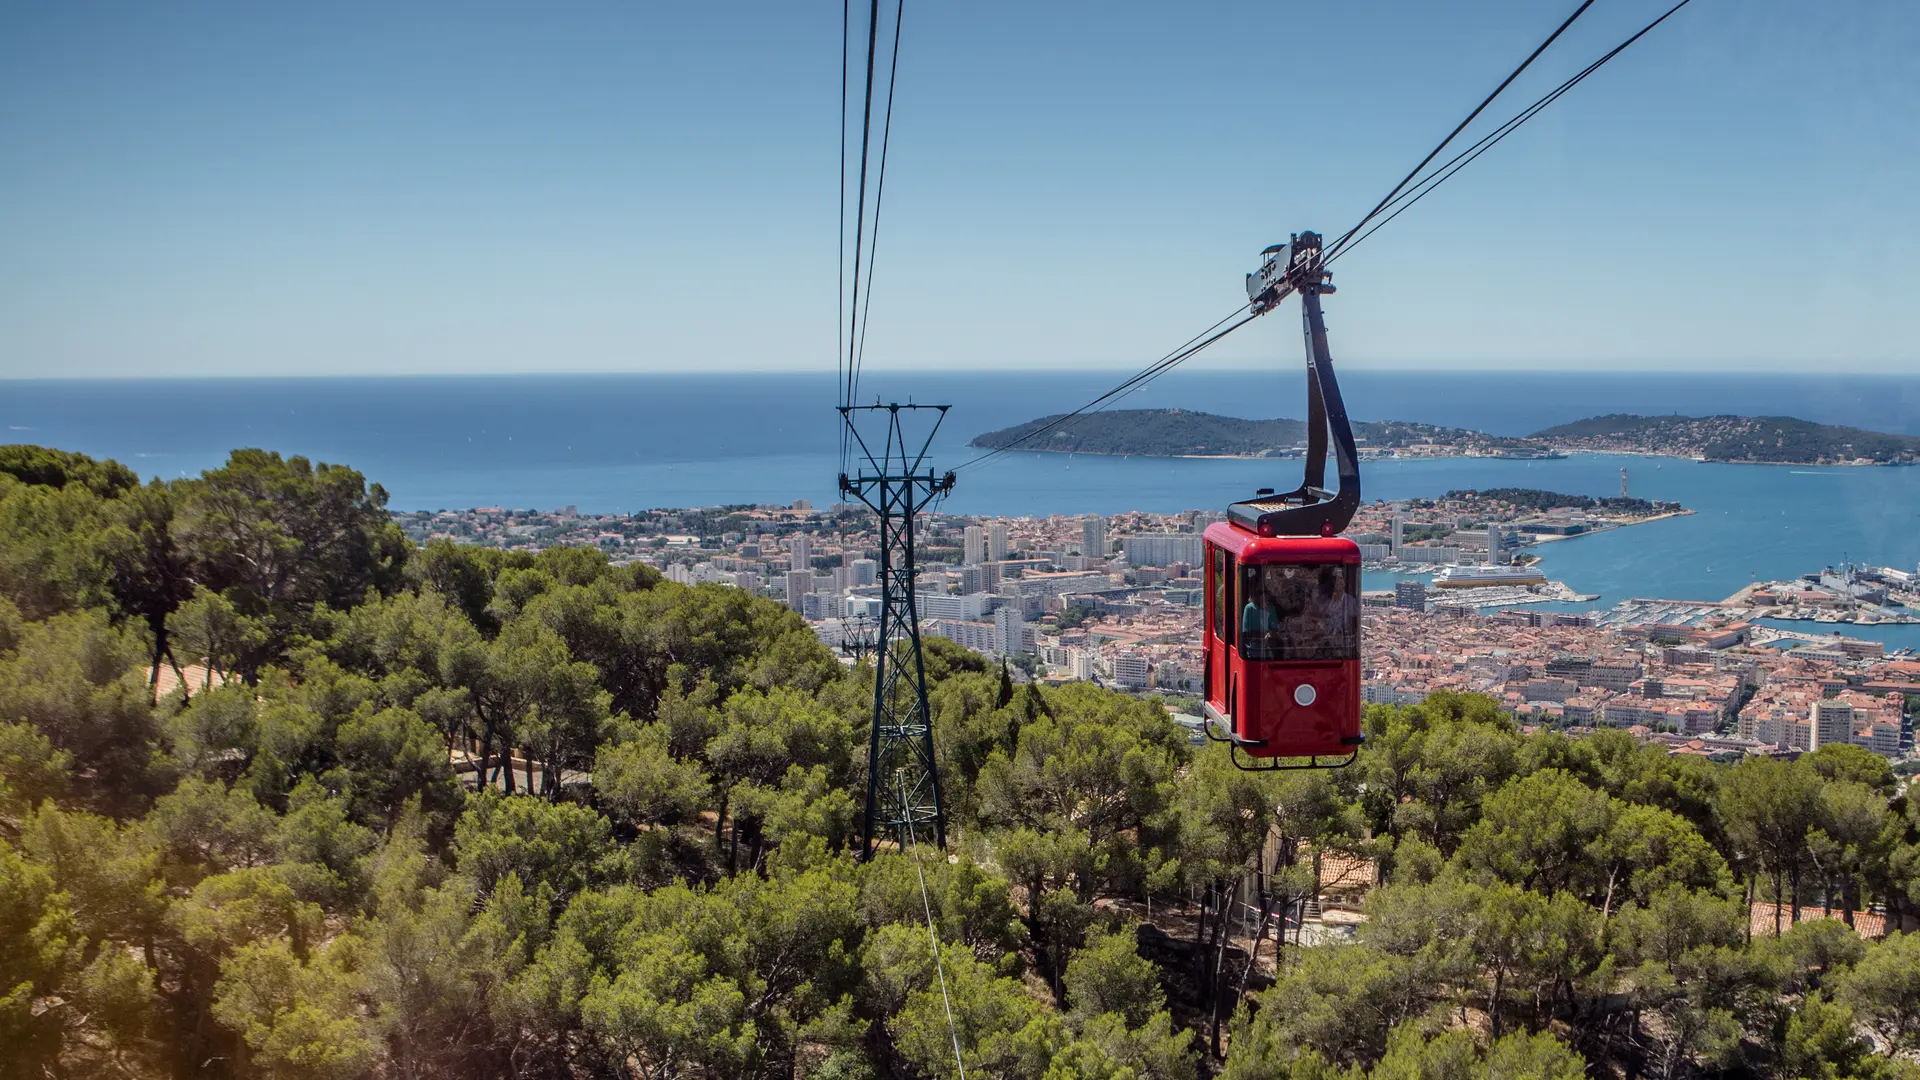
(1776, 439)
(1177, 432)
(275, 869)
(1180, 432)
(1540, 500)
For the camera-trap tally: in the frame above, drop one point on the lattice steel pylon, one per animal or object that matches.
(896, 482)
(856, 637)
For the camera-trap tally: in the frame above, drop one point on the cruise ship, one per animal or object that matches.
(1473, 577)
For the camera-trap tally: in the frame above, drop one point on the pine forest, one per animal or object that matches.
(285, 795)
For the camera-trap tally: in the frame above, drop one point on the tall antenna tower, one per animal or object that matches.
(896, 482)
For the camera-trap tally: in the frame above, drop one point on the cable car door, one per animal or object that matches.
(1221, 578)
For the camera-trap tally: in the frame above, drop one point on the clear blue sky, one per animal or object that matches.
(199, 188)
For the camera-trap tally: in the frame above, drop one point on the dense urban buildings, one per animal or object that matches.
(1119, 600)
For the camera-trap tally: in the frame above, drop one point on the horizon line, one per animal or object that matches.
(1662, 372)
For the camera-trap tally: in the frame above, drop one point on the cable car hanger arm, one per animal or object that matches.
(1310, 509)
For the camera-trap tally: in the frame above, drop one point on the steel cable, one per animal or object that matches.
(859, 353)
(840, 265)
(1167, 363)
(1477, 110)
(1153, 371)
(933, 934)
(1491, 139)
(860, 212)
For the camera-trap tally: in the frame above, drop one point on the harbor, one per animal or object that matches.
(1861, 595)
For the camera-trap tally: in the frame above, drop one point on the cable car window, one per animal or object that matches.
(1222, 574)
(1300, 613)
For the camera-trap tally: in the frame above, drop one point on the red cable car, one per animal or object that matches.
(1282, 634)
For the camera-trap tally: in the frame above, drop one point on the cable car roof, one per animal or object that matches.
(1268, 550)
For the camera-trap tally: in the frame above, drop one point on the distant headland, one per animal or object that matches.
(1779, 440)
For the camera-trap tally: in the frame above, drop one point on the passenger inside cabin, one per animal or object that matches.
(1270, 622)
(1339, 611)
(1257, 619)
(1299, 613)
(1291, 596)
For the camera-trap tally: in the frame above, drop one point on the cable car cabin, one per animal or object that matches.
(1282, 643)
(1282, 639)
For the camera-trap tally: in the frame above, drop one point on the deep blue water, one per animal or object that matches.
(628, 442)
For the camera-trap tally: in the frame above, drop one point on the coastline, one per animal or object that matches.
(1266, 457)
(1540, 539)
(1558, 451)
(1860, 463)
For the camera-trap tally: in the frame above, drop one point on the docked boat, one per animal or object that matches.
(1484, 576)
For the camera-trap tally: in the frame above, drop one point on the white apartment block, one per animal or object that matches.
(978, 636)
(1831, 722)
(1130, 669)
(1009, 632)
(997, 542)
(1428, 555)
(1093, 537)
(799, 584)
(946, 606)
(1161, 549)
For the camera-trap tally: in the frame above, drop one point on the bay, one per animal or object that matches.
(628, 442)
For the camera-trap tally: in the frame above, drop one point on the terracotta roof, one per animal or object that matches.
(1346, 871)
(1867, 924)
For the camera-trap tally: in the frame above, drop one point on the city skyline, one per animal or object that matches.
(368, 190)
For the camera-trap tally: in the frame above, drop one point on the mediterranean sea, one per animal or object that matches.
(627, 442)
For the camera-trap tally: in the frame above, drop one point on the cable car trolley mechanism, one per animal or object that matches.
(1282, 632)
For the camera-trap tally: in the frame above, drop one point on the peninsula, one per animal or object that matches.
(1776, 440)
(1184, 433)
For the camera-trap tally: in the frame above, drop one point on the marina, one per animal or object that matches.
(1505, 596)
(1679, 614)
